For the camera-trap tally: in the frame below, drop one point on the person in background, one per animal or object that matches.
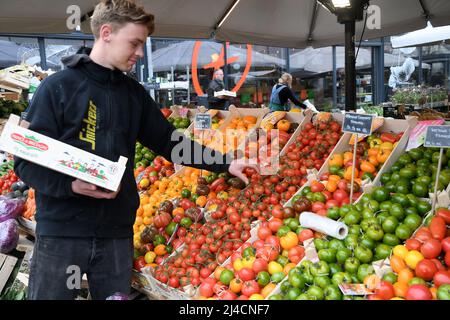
(281, 93)
(215, 85)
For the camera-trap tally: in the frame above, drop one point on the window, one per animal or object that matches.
(55, 49)
(15, 50)
(437, 60)
(267, 65)
(312, 70)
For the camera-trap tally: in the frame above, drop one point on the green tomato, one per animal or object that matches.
(382, 251)
(443, 292)
(341, 277)
(413, 221)
(353, 217)
(320, 268)
(403, 232)
(367, 242)
(346, 208)
(383, 216)
(159, 239)
(373, 205)
(185, 193)
(303, 296)
(351, 241)
(332, 292)
(284, 287)
(305, 265)
(293, 293)
(333, 213)
(385, 178)
(306, 190)
(402, 187)
(310, 196)
(263, 278)
(385, 205)
(411, 210)
(365, 198)
(397, 211)
(420, 189)
(423, 207)
(401, 199)
(367, 223)
(391, 186)
(391, 239)
(276, 297)
(408, 173)
(404, 159)
(343, 254)
(320, 244)
(426, 180)
(186, 222)
(315, 293)
(277, 277)
(293, 224)
(415, 154)
(336, 244)
(413, 201)
(354, 229)
(297, 281)
(282, 231)
(364, 270)
(226, 276)
(327, 255)
(380, 194)
(367, 213)
(334, 268)
(322, 281)
(423, 163)
(248, 252)
(390, 224)
(351, 265)
(416, 280)
(319, 197)
(170, 228)
(363, 254)
(282, 260)
(375, 232)
(390, 277)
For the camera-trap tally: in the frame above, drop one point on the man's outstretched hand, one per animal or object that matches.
(90, 190)
(237, 167)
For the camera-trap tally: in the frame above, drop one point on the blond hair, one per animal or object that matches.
(286, 78)
(118, 13)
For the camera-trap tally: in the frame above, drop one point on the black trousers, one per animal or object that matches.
(58, 264)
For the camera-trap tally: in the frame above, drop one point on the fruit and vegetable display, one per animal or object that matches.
(180, 122)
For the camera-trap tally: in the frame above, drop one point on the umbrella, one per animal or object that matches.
(281, 23)
(179, 55)
(428, 34)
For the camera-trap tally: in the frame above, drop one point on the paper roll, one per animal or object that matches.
(324, 225)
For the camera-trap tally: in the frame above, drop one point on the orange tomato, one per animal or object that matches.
(331, 186)
(348, 173)
(373, 160)
(397, 264)
(288, 267)
(217, 272)
(400, 289)
(160, 250)
(383, 155)
(334, 178)
(178, 211)
(283, 125)
(289, 241)
(201, 201)
(433, 291)
(348, 156)
(373, 152)
(268, 289)
(236, 285)
(366, 166)
(405, 275)
(336, 160)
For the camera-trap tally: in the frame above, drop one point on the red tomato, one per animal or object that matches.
(317, 206)
(277, 211)
(441, 277)
(332, 203)
(227, 295)
(413, 244)
(264, 232)
(260, 265)
(426, 269)
(446, 244)
(246, 274)
(385, 291)
(275, 224)
(340, 195)
(444, 213)
(431, 248)
(250, 287)
(174, 282)
(438, 228)
(305, 234)
(139, 263)
(447, 258)
(296, 254)
(438, 264)
(418, 292)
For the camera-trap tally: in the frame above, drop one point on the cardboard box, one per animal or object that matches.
(61, 157)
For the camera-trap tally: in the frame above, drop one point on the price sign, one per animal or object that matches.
(438, 137)
(358, 123)
(202, 121)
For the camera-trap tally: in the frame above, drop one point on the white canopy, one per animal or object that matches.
(283, 23)
(179, 55)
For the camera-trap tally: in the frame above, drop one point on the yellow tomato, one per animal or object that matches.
(274, 267)
(412, 258)
(256, 296)
(248, 262)
(149, 257)
(400, 251)
(237, 264)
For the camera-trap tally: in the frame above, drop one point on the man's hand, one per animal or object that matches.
(90, 190)
(237, 167)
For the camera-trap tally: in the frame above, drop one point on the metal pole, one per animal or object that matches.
(334, 78)
(189, 86)
(288, 61)
(420, 66)
(350, 69)
(41, 44)
(441, 153)
(225, 66)
(173, 85)
(353, 169)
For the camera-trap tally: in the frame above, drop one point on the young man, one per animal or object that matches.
(215, 85)
(92, 105)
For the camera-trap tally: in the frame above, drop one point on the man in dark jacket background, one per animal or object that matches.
(94, 106)
(216, 85)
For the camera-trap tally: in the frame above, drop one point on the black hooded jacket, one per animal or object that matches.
(103, 112)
